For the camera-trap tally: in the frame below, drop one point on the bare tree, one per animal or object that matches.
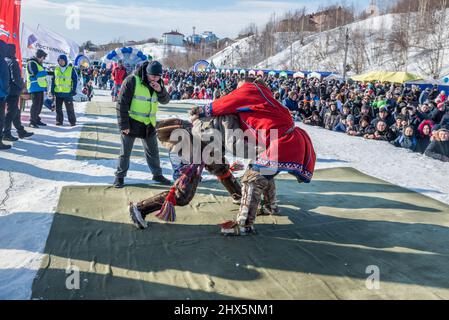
(357, 50)
(435, 46)
(399, 41)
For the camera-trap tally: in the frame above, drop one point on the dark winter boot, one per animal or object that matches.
(162, 180)
(9, 137)
(25, 134)
(119, 183)
(4, 146)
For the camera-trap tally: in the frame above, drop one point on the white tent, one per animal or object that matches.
(235, 71)
(299, 74)
(334, 77)
(252, 73)
(243, 71)
(314, 75)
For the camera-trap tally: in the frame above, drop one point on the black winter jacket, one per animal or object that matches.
(137, 129)
(438, 150)
(16, 83)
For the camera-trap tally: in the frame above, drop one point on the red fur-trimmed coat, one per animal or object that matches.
(258, 110)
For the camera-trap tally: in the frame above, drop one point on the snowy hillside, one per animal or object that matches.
(323, 51)
(375, 43)
(392, 42)
(159, 51)
(243, 53)
(232, 55)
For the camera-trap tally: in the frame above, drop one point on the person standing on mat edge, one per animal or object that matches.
(36, 85)
(64, 89)
(137, 107)
(4, 91)
(16, 84)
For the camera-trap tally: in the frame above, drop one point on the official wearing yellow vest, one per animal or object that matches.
(137, 108)
(64, 89)
(36, 85)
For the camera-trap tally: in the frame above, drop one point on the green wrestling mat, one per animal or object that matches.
(329, 233)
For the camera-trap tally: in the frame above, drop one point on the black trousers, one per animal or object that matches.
(13, 116)
(2, 116)
(36, 107)
(68, 102)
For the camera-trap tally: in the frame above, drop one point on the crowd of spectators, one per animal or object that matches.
(405, 116)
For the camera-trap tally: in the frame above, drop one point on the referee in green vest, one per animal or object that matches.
(137, 107)
(63, 88)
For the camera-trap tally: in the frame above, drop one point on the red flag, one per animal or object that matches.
(10, 24)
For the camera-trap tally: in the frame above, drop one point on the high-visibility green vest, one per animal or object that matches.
(38, 82)
(144, 106)
(63, 80)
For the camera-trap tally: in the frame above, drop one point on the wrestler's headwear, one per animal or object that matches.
(165, 128)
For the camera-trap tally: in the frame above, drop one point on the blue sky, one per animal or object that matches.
(105, 20)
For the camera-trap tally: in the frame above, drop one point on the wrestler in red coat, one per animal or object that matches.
(258, 110)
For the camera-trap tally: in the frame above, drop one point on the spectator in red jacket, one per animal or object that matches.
(118, 75)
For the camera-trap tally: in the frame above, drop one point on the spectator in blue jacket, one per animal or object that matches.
(424, 96)
(292, 103)
(407, 139)
(37, 85)
(4, 91)
(64, 89)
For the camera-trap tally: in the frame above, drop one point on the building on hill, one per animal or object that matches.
(173, 38)
(194, 39)
(206, 37)
(209, 37)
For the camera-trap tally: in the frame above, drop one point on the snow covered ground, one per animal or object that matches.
(33, 173)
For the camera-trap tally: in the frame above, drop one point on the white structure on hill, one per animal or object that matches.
(173, 38)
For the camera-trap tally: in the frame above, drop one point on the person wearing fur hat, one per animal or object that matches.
(63, 88)
(184, 188)
(137, 107)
